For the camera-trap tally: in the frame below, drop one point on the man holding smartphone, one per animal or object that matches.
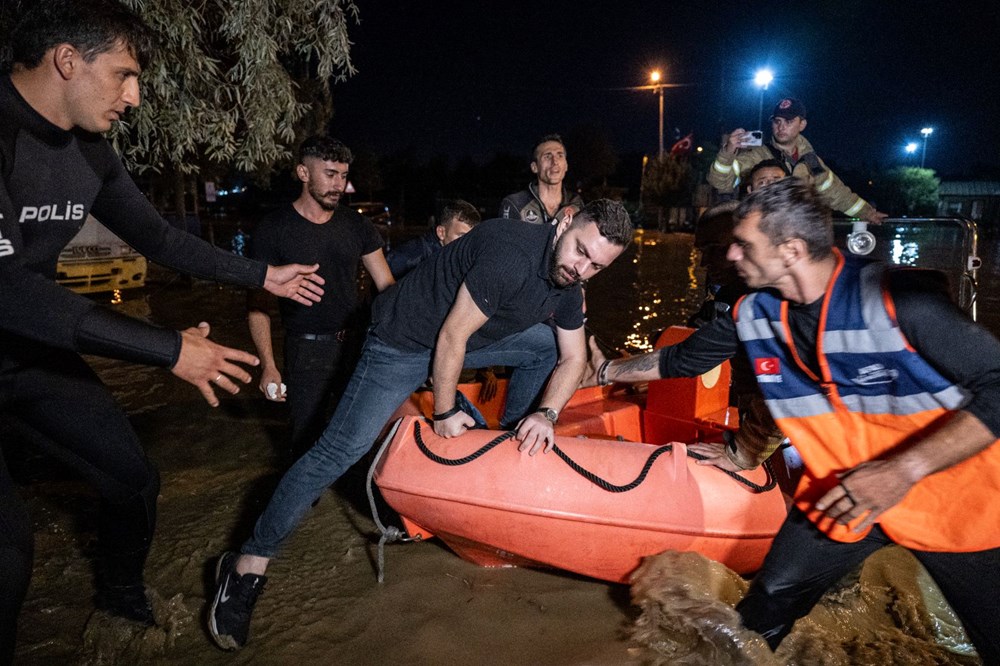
(742, 151)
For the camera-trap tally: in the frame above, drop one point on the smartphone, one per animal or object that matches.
(754, 138)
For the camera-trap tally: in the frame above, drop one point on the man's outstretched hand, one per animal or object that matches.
(295, 281)
(203, 363)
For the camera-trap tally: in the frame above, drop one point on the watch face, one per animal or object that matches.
(550, 414)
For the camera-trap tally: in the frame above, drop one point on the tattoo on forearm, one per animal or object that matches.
(636, 364)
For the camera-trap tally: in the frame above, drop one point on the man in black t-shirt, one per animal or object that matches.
(480, 301)
(314, 229)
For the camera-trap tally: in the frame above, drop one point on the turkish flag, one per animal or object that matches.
(767, 366)
(683, 146)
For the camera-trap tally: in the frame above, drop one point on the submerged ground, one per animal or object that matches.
(323, 604)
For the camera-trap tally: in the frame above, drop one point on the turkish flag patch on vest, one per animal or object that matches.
(767, 369)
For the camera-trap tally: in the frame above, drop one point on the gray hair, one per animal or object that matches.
(791, 209)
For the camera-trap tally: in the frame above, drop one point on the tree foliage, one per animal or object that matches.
(665, 180)
(592, 157)
(235, 83)
(908, 191)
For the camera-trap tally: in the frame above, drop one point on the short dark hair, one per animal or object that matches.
(767, 164)
(791, 209)
(611, 218)
(545, 139)
(461, 211)
(326, 148)
(92, 27)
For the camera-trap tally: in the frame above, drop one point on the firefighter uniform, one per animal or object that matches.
(803, 163)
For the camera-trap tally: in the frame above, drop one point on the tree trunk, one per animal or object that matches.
(180, 200)
(196, 203)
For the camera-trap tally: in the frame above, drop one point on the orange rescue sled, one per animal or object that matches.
(506, 508)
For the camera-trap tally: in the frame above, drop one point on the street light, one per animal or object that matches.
(655, 76)
(763, 79)
(910, 148)
(927, 131)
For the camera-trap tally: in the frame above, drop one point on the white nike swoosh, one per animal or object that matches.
(223, 597)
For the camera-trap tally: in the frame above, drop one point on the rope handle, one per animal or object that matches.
(590, 476)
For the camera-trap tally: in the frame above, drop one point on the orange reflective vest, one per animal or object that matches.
(875, 395)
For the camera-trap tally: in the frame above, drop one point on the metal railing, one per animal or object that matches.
(949, 244)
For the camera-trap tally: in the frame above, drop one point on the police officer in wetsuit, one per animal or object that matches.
(75, 71)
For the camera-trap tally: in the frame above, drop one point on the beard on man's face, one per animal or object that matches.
(557, 275)
(326, 200)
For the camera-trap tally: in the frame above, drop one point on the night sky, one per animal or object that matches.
(462, 78)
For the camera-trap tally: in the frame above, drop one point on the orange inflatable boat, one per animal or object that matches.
(592, 506)
(596, 505)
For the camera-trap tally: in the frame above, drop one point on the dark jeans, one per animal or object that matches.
(803, 563)
(57, 399)
(316, 375)
(385, 376)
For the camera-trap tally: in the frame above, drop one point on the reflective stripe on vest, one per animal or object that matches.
(875, 394)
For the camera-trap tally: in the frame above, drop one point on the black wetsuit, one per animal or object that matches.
(50, 179)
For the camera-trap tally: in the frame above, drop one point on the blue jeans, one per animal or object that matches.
(383, 379)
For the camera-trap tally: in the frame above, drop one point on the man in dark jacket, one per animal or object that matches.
(457, 219)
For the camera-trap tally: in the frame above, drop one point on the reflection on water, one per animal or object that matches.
(658, 282)
(905, 254)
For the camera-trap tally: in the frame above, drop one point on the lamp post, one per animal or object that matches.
(926, 132)
(655, 76)
(763, 79)
(910, 148)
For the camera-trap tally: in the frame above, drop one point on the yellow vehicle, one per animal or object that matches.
(96, 260)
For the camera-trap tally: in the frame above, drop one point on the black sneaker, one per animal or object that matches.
(127, 601)
(229, 617)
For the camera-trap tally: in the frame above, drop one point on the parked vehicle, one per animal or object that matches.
(946, 244)
(96, 260)
(376, 211)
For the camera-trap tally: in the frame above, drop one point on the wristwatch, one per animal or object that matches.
(549, 413)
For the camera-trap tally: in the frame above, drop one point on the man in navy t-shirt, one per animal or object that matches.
(483, 300)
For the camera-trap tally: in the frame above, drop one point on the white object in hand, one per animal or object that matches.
(272, 391)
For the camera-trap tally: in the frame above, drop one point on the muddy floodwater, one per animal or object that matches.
(323, 603)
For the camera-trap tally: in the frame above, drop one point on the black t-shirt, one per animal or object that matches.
(285, 237)
(944, 336)
(504, 264)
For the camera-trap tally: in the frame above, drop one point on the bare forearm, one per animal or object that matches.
(449, 358)
(960, 439)
(563, 383)
(260, 333)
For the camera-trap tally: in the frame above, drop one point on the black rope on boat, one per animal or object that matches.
(606, 485)
(590, 476)
(452, 462)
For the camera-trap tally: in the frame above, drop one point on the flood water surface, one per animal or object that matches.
(323, 604)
